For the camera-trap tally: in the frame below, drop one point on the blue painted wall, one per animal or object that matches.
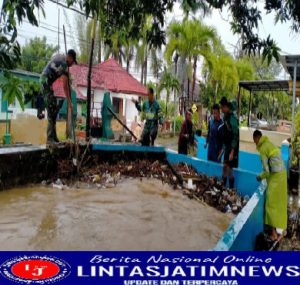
(245, 180)
(248, 161)
(127, 147)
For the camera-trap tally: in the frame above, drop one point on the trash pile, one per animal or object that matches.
(101, 175)
(292, 238)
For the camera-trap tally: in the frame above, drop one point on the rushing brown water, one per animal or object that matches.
(133, 216)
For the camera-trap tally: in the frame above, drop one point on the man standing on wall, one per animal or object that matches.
(214, 138)
(56, 68)
(231, 138)
(276, 195)
(151, 111)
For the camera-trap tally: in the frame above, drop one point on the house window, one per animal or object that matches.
(117, 105)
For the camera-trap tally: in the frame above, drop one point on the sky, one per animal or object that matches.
(289, 43)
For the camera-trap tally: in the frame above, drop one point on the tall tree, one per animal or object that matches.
(147, 53)
(121, 47)
(169, 83)
(35, 54)
(223, 75)
(189, 40)
(84, 38)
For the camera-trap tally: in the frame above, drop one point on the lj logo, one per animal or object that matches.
(35, 269)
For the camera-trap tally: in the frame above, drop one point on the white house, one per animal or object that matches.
(109, 76)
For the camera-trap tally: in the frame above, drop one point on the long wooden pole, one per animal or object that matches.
(249, 109)
(70, 131)
(124, 126)
(89, 84)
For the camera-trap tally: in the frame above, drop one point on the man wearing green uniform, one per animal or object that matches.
(276, 196)
(231, 139)
(56, 68)
(152, 113)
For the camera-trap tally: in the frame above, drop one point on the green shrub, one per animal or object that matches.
(296, 141)
(195, 120)
(204, 126)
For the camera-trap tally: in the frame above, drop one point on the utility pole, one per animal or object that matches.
(58, 25)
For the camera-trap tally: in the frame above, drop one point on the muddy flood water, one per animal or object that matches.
(134, 215)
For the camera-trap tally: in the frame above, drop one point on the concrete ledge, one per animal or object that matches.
(21, 165)
(116, 152)
(275, 137)
(127, 147)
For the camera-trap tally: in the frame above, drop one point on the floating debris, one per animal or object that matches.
(58, 184)
(204, 189)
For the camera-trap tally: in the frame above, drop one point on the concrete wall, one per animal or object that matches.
(248, 161)
(21, 165)
(275, 137)
(245, 180)
(29, 129)
(3, 129)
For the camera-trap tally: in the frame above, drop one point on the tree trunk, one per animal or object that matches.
(216, 92)
(128, 61)
(167, 101)
(142, 73)
(146, 66)
(176, 63)
(188, 89)
(194, 76)
(100, 44)
(100, 51)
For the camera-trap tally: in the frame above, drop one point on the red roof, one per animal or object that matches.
(79, 74)
(59, 91)
(116, 79)
(108, 75)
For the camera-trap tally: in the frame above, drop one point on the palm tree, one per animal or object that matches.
(222, 74)
(84, 30)
(146, 54)
(169, 83)
(142, 51)
(189, 40)
(156, 62)
(114, 45)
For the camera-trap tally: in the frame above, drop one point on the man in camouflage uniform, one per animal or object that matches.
(56, 68)
(152, 113)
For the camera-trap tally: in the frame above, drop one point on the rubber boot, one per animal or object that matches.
(224, 181)
(231, 183)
